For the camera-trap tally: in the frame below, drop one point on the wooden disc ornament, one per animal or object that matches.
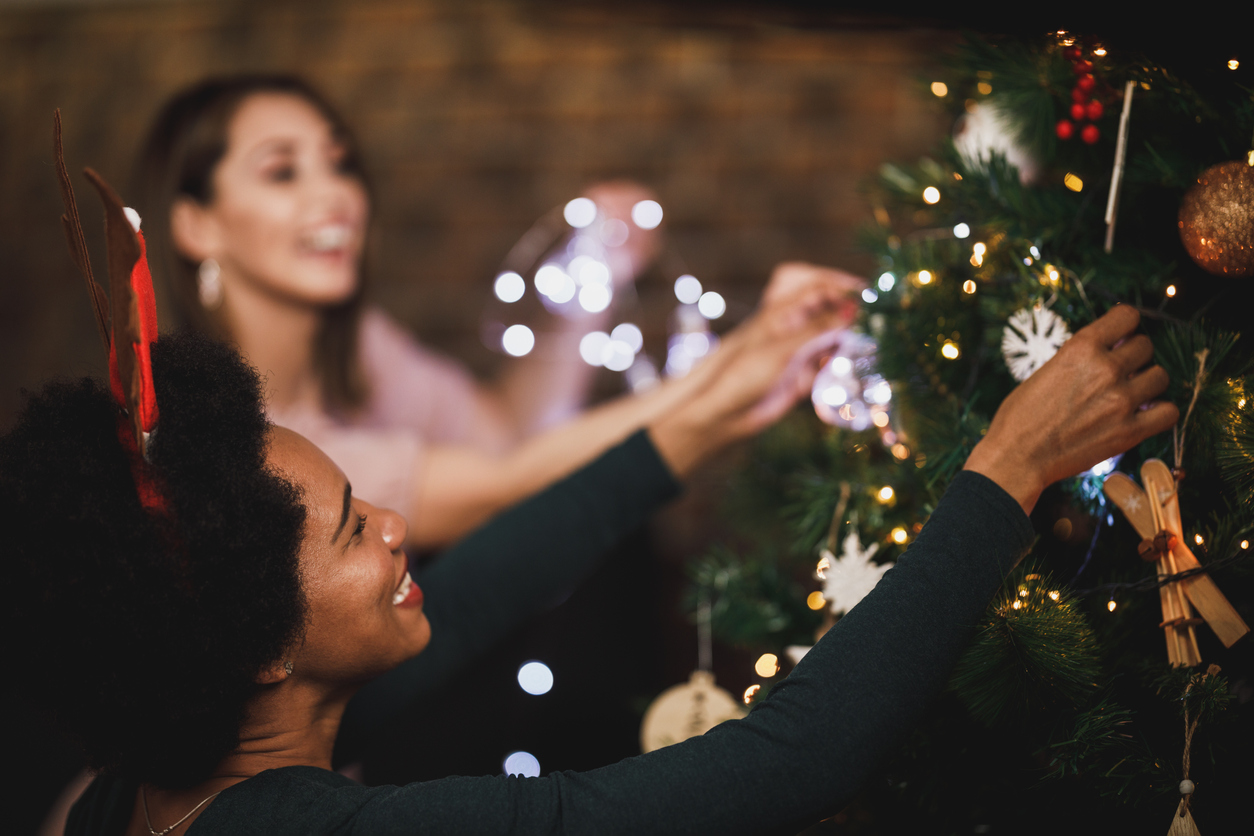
(1217, 219)
(687, 710)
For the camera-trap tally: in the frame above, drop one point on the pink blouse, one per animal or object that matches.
(417, 397)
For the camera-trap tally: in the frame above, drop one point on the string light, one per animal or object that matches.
(522, 763)
(751, 692)
(950, 350)
(767, 665)
(886, 494)
(931, 195)
(1197, 538)
(869, 296)
(979, 248)
(647, 214)
(886, 282)
(1053, 595)
(925, 277)
(509, 287)
(1233, 63)
(1018, 604)
(968, 286)
(580, 212)
(984, 87)
(962, 231)
(688, 289)
(1171, 290)
(940, 89)
(711, 305)
(1100, 52)
(1072, 182)
(1110, 605)
(535, 678)
(518, 340)
(1245, 544)
(815, 600)
(900, 451)
(899, 535)
(820, 571)
(880, 419)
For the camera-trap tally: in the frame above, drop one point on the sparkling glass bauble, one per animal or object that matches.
(848, 392)
(1217, 219)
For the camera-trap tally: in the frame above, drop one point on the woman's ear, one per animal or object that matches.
(275, 672)
(193, 230)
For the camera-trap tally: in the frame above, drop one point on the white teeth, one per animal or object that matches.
(328, 238)
(402, 591)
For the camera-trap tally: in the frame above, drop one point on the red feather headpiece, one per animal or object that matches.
(131, 309)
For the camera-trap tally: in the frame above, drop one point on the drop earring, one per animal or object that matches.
(287, 667)
(209, 284)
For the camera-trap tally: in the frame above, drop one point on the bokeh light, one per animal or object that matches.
(647, 214)
(518, 340)
(522, 763)
(711, 305)
(580, 212)
(509, 287)
(688, 289)
(535, 678)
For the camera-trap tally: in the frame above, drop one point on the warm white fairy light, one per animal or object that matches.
(925, 277)
(580, 212)
(1245, 544)
(950, 350)
(1073, 182)
(1053, 595)
(900, 451)
(518, 340)
(825, 563)
(962, 231)
(899, 535)
(815, 600)
(940, 89)
(968, 286)
(1197, 538)
(509, 287)
(767, 665)
(1035, 252)
(880, 419)
(886, 494)
(647, 214)
(1233, 63)
(931, 195)
(1171, 290)
(751, 692)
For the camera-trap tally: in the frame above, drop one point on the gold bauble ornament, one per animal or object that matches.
(1217, 219)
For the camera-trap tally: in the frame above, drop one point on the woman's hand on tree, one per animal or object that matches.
(1092, 400)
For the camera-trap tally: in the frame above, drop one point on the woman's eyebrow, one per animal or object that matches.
(348, 498)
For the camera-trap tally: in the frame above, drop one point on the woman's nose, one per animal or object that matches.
(394, 529)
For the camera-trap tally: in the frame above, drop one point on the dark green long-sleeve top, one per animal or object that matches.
(798, 756)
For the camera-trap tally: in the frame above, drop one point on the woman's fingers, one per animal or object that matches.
(1144, 386)
(1158, 417)
(1133, 353)
(1115, 325)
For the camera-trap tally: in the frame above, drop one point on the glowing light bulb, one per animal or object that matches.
(1018, 604)
(950, 350)
(1100, 52)
(767, 665)
(751, 692)
(1197, 538)
(962, 231)
(1241, 403)
(869, 295)
(925, 277)
(647, 214)
(591, 347)
(522, 763)
(968, 286)
(518, 340)
(688, 289)
(580, 212)
(1171, 290)
(842, 365)
(931, 195)
(900, 451)
(979, 248)
(1245, 544)
(1053, 595)
(1110, 605)
(594, 298)
(899, 535)
(886, 282)
(711, 305)
(535, 678)
(509, 287)
(629, 334)
(1072, 182)
(940, 89)
(984, 87)
(885, 494)
(880, 419)
(815, 600)
(1053, 275)
(1233, 63)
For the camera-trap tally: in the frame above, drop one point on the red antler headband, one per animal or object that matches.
(132, 309)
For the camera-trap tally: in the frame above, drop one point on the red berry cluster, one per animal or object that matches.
(1084, 102)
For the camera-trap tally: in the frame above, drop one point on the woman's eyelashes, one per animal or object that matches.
(361, 526)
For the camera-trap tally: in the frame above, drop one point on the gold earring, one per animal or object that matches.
(209, 284)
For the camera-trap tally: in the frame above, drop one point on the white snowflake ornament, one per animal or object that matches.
(849, 578)
(1030, 338)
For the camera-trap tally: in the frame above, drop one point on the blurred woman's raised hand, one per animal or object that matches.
(764, 365)
(1094, 399)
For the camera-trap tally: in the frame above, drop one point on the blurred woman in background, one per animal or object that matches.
(256, 209)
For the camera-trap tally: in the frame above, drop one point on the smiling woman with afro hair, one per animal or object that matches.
(149, 632)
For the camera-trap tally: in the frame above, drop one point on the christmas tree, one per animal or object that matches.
(1080, 176)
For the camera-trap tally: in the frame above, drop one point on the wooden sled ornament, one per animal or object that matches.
(1155, 514)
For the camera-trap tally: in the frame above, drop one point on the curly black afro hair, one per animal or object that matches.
(145, 634)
